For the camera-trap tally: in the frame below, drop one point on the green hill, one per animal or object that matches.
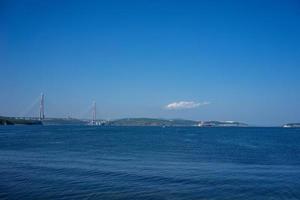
(18, 121)
(150, 122)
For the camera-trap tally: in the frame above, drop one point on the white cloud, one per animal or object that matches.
(184, 105)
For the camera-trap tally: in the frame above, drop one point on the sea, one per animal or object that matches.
(132, 163)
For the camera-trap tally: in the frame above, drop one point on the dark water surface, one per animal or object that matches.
(81, 162)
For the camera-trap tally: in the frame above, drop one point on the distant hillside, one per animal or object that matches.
(150, 122)
(18, 121)
(172, 122)
(47, 121)
(63, 121)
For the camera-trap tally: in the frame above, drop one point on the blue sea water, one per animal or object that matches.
(82, 162)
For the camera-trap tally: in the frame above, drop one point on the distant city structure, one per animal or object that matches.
(292, 125)
(221, 124)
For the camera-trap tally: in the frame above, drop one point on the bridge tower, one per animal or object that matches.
(94, 113)
(42, 107)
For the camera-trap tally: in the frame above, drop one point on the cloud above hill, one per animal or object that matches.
(180, 105)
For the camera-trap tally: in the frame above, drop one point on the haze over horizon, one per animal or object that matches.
(201, 60)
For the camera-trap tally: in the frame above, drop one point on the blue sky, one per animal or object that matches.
(234, 60)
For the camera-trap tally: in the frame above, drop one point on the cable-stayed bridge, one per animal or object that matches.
(36, 111)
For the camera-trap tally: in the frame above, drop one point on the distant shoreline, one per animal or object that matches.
(130, 122)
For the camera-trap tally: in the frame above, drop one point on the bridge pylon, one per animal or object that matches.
(42, 107)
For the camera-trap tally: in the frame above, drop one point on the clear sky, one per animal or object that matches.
(216, 60)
